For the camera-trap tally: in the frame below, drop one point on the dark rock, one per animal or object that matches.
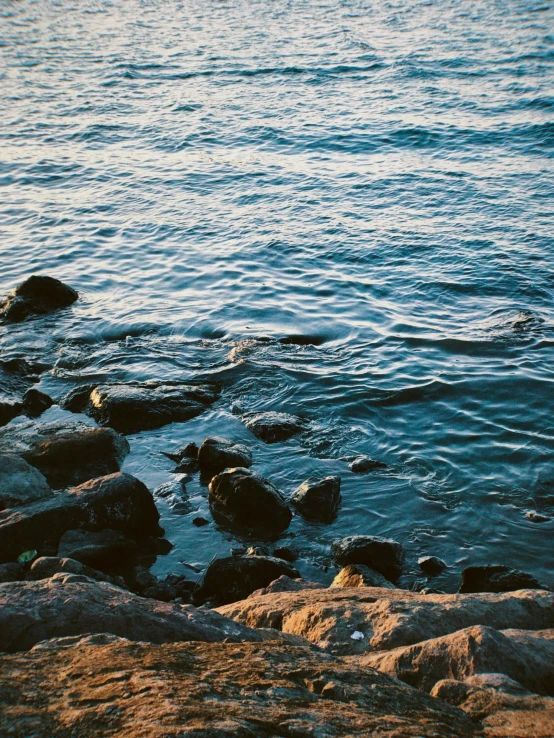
(245, 499)
(9, 409)
(536, 517)
(286, 584)
(134, 407)
(318, 499)
(382, 554)
(20, 483)
(46, 566)
(364, 464)
(497, 579)
(302, 340)
(189, 451)
(272, 427)
(35, 403)
(187, 466)
(162, 591)
(11, 572)
(183, 586)
(141, 578)
(431, 565)
(199, 522)
(23, 368)
(285, 553)
(105, 550)
(175, 494)
(234, 578)
(358, 575)
(36, 296)
(217, 454)
(257, 551)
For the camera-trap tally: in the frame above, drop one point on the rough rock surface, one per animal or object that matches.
(286, 584)
(46, 566)
(389, 618)
(358, 575)
(217, 454)
(246, 500)
(272, 427)
(497, 578)
(134, 407)
(382, 554)
(66, 453)
(71, 604)
(106, 686)
(20, 483)
(318, 499)
(36, 296)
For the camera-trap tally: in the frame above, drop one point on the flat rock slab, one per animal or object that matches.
(389, 618)
(105, 686)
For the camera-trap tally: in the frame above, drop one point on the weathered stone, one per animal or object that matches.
(364, 465)
(272, 427)
(105, 550)
(431, 565)
(235, 577)
(36, 296)
(241, 498)
(358, 575)
(217, 454)
(318, 499)
(382, 554)
(11, 572)
(497, 579)
(20, 483)
(35, 403)
(46, 566)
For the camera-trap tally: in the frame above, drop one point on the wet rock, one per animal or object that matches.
(365, 464)
(38, 295)
(11, 572)
(134, 407)
(272, 427)
(382, 554)
(20, 483)
(71, 604)
(301, 340)
(189, 451)
(241, 498)
(9, 409)
(46, 566)
(66, 453)
(235, 577)
(286, 553)
(217, 454)
(257, 551)
(36, 402)
(105, 550)
(200, 522)
(536, 517)
(175, 494)
(496, 579)
(318, 499)
(431, 565)
(358, 575)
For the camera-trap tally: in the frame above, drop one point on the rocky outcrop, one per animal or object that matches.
(217, 454)
(272, 427)
(318, 499)
(66, 453)
(358, 575)
(244, 499)
(382, 554)
(389, 618)
(102, 685)
(38, 295)
(497, 578)
(133, 407)
(20, 483)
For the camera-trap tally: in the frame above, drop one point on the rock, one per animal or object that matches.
(536, 517)
(141, 578)
(11, 572)
(66, 453)
(217, 454)
(20, 483)
(286, 584)
(46, 566)
(9, 409)
(200, 522)
(358, 575)
(497, 579)
(118, 501)
(189, 451)
(272, 427)
(431, 565)
(389, 618)
(235, 577)
(318, 499)
(241, 498)
(175, 494)
(101, 685)
(257, 551)
(36, 296)
(71, 604)
(382, 554)
(35, 403)
(286, 553)
(364, 464)
(524, 655)
(105, 550)
(162, 591)
(134, 407)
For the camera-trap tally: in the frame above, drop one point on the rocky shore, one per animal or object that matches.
(94, 644)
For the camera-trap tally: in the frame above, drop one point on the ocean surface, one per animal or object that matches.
(373, 178)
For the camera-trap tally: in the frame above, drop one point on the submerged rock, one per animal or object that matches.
(497, 578)
(217, 454)
(431, 565)
(36, 296)
(272, 427)
(358, 575)
(365, 464)
(318, 499)
(246, 500)
(382, 554)
(20, 483)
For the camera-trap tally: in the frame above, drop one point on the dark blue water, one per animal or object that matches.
(375, 175)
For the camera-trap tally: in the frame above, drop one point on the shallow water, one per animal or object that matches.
(375, 176)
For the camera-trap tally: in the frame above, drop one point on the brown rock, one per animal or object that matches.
(318, 498)
(286, 584)
(358, 575)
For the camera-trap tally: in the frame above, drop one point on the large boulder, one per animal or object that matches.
(134, 407)
(217, 454)
(235, 577)
(382, 554)
(20, 483)
(66, 453)
(244, 499)
(36, 296)
(318, 499)
(272, 427)
(358, 575)
(497, 578)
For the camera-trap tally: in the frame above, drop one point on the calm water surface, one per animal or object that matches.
(214, 176)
